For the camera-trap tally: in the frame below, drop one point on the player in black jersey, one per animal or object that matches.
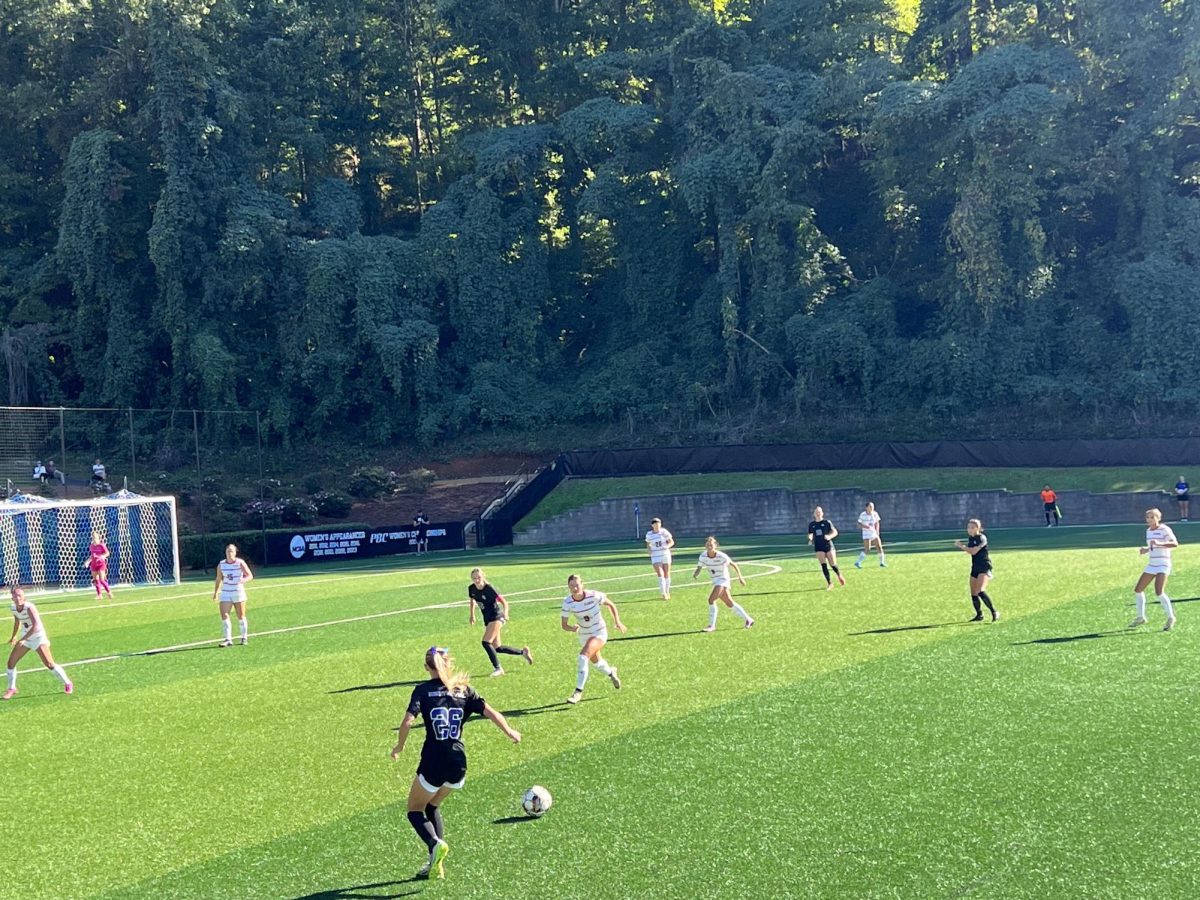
(444, 703)
(821, 534)
(495, 613)
(981, 568)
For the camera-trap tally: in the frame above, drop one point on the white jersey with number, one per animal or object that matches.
(588, 613)
(660, 545)
(1159, 562)
(869, 523)
(718, 567)
(232, 576)
(30, 621)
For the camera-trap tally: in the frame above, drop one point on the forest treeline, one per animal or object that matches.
(434, 220)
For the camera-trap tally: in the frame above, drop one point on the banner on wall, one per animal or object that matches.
(311, 545)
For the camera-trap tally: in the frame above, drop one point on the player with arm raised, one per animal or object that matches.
(494, 609)
(444, 703)
(660, 541)
(981, 568)
(97, 564)
(588, 609)
(230, 589)
(33, 637)
(821, 534)
(718, 563)
(1160, 541)
(869, 523)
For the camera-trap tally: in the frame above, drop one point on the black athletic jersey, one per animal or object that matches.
(820, 532)
(444, 714)
(980, 560)
(487, 600)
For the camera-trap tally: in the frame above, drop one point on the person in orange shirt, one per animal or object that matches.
(1050, 505)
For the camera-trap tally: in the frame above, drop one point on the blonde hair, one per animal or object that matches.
(711, 539)
(438, 661)
(978, 524)
(478, 571)
(1155, 512)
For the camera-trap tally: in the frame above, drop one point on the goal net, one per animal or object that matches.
(44, 543)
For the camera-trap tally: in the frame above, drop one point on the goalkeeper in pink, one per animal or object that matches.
(98, 565)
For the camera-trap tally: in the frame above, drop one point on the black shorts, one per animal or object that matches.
(488, 620)
(976, 571)
(822, 547)
(1182, 498)
(442, 768)
(1050, 507)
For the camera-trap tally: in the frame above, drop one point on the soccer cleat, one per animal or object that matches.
(612, 676)
(995, 616)
(829, 586)
(422, 873)
(841, 580)
(436, 859)
(858, 565)
(9, 694)
(496, 672)
(225, 643)
(575, 695)
(709, 629)
(749, 622)
(1170, 624)
(525, 652)
(1140, 620)
(883, 565)
(69, 688)
(978, 618)
(245, 641)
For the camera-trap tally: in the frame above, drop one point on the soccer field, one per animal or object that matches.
(862, 742)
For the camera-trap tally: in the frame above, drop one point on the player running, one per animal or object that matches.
(33, 637)
(1160, 541)
(587, 608)
(660, 542)
(444, 703)
(230, 589)
(868, 523)
(821, 534)
(495, 613)
(97, 564)
(981, 568)
(718, 563)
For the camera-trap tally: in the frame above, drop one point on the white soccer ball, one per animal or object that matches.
(536, 801)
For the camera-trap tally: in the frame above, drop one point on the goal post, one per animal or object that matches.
(44, 543)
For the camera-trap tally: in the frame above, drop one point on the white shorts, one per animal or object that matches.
(663, 558)
(234, 595)
(585, 636)
(434, 788)
(37, 640)
(1157, 569)
(869, 535)
(722, 582)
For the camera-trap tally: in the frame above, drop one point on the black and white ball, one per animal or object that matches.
(536, 801)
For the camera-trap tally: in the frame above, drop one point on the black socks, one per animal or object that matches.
(491, 652)
(825, 572)
(434, 814)
(424, 828)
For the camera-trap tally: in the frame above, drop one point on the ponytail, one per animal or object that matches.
(438, 661)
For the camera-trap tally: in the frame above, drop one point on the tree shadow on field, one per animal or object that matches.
(514, 820)
(350, 893)
(905, 628)
(1067, 639)
(538, 710)
(376, 687)
(650, 637)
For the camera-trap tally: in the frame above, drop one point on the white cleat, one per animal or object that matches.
(574, 698)
(616, 682)
(1170, 624)
(709, 629)
(749, 623)
(496, 673)
(1140, 620)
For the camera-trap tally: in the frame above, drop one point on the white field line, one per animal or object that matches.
(773, 570)
(208, 593)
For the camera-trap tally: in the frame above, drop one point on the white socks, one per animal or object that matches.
(739, 612)
(862, 554)
(667, 585)
(244, 628)
(12, 679)
(227, 629)
(62, 676)
(712, 615)
(1140, 599)
(581, 677)
(602, 665)
(1166, 605)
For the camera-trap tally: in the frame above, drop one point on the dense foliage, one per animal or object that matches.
(436, 219)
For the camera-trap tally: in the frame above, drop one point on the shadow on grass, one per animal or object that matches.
(538, 710)
(907, 628)
(513, 820)
(650, 637)
(350, 893)
(165, 650)
(376, 687)
(1071, 638)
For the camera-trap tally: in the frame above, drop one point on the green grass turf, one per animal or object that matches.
(577, 492)
(863, 742)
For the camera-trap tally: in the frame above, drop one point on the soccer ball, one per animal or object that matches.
(536, 801)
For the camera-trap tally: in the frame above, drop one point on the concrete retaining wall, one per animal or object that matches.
(782, 511)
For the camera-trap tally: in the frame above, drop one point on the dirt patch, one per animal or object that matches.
(479, 466)
(452, 503)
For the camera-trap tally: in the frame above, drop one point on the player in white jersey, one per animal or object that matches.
(1160, 541)
(869, 524)
(33, 637)
(660, 542)
(230, 590)
(588, 609)
(718, 563)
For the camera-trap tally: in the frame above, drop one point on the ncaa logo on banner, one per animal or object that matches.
(297, 546)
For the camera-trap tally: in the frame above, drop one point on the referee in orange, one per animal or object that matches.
(1050, 505)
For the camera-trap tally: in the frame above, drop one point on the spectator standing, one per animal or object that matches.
(1181, 495)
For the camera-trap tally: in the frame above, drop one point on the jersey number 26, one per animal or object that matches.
(447, 723)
